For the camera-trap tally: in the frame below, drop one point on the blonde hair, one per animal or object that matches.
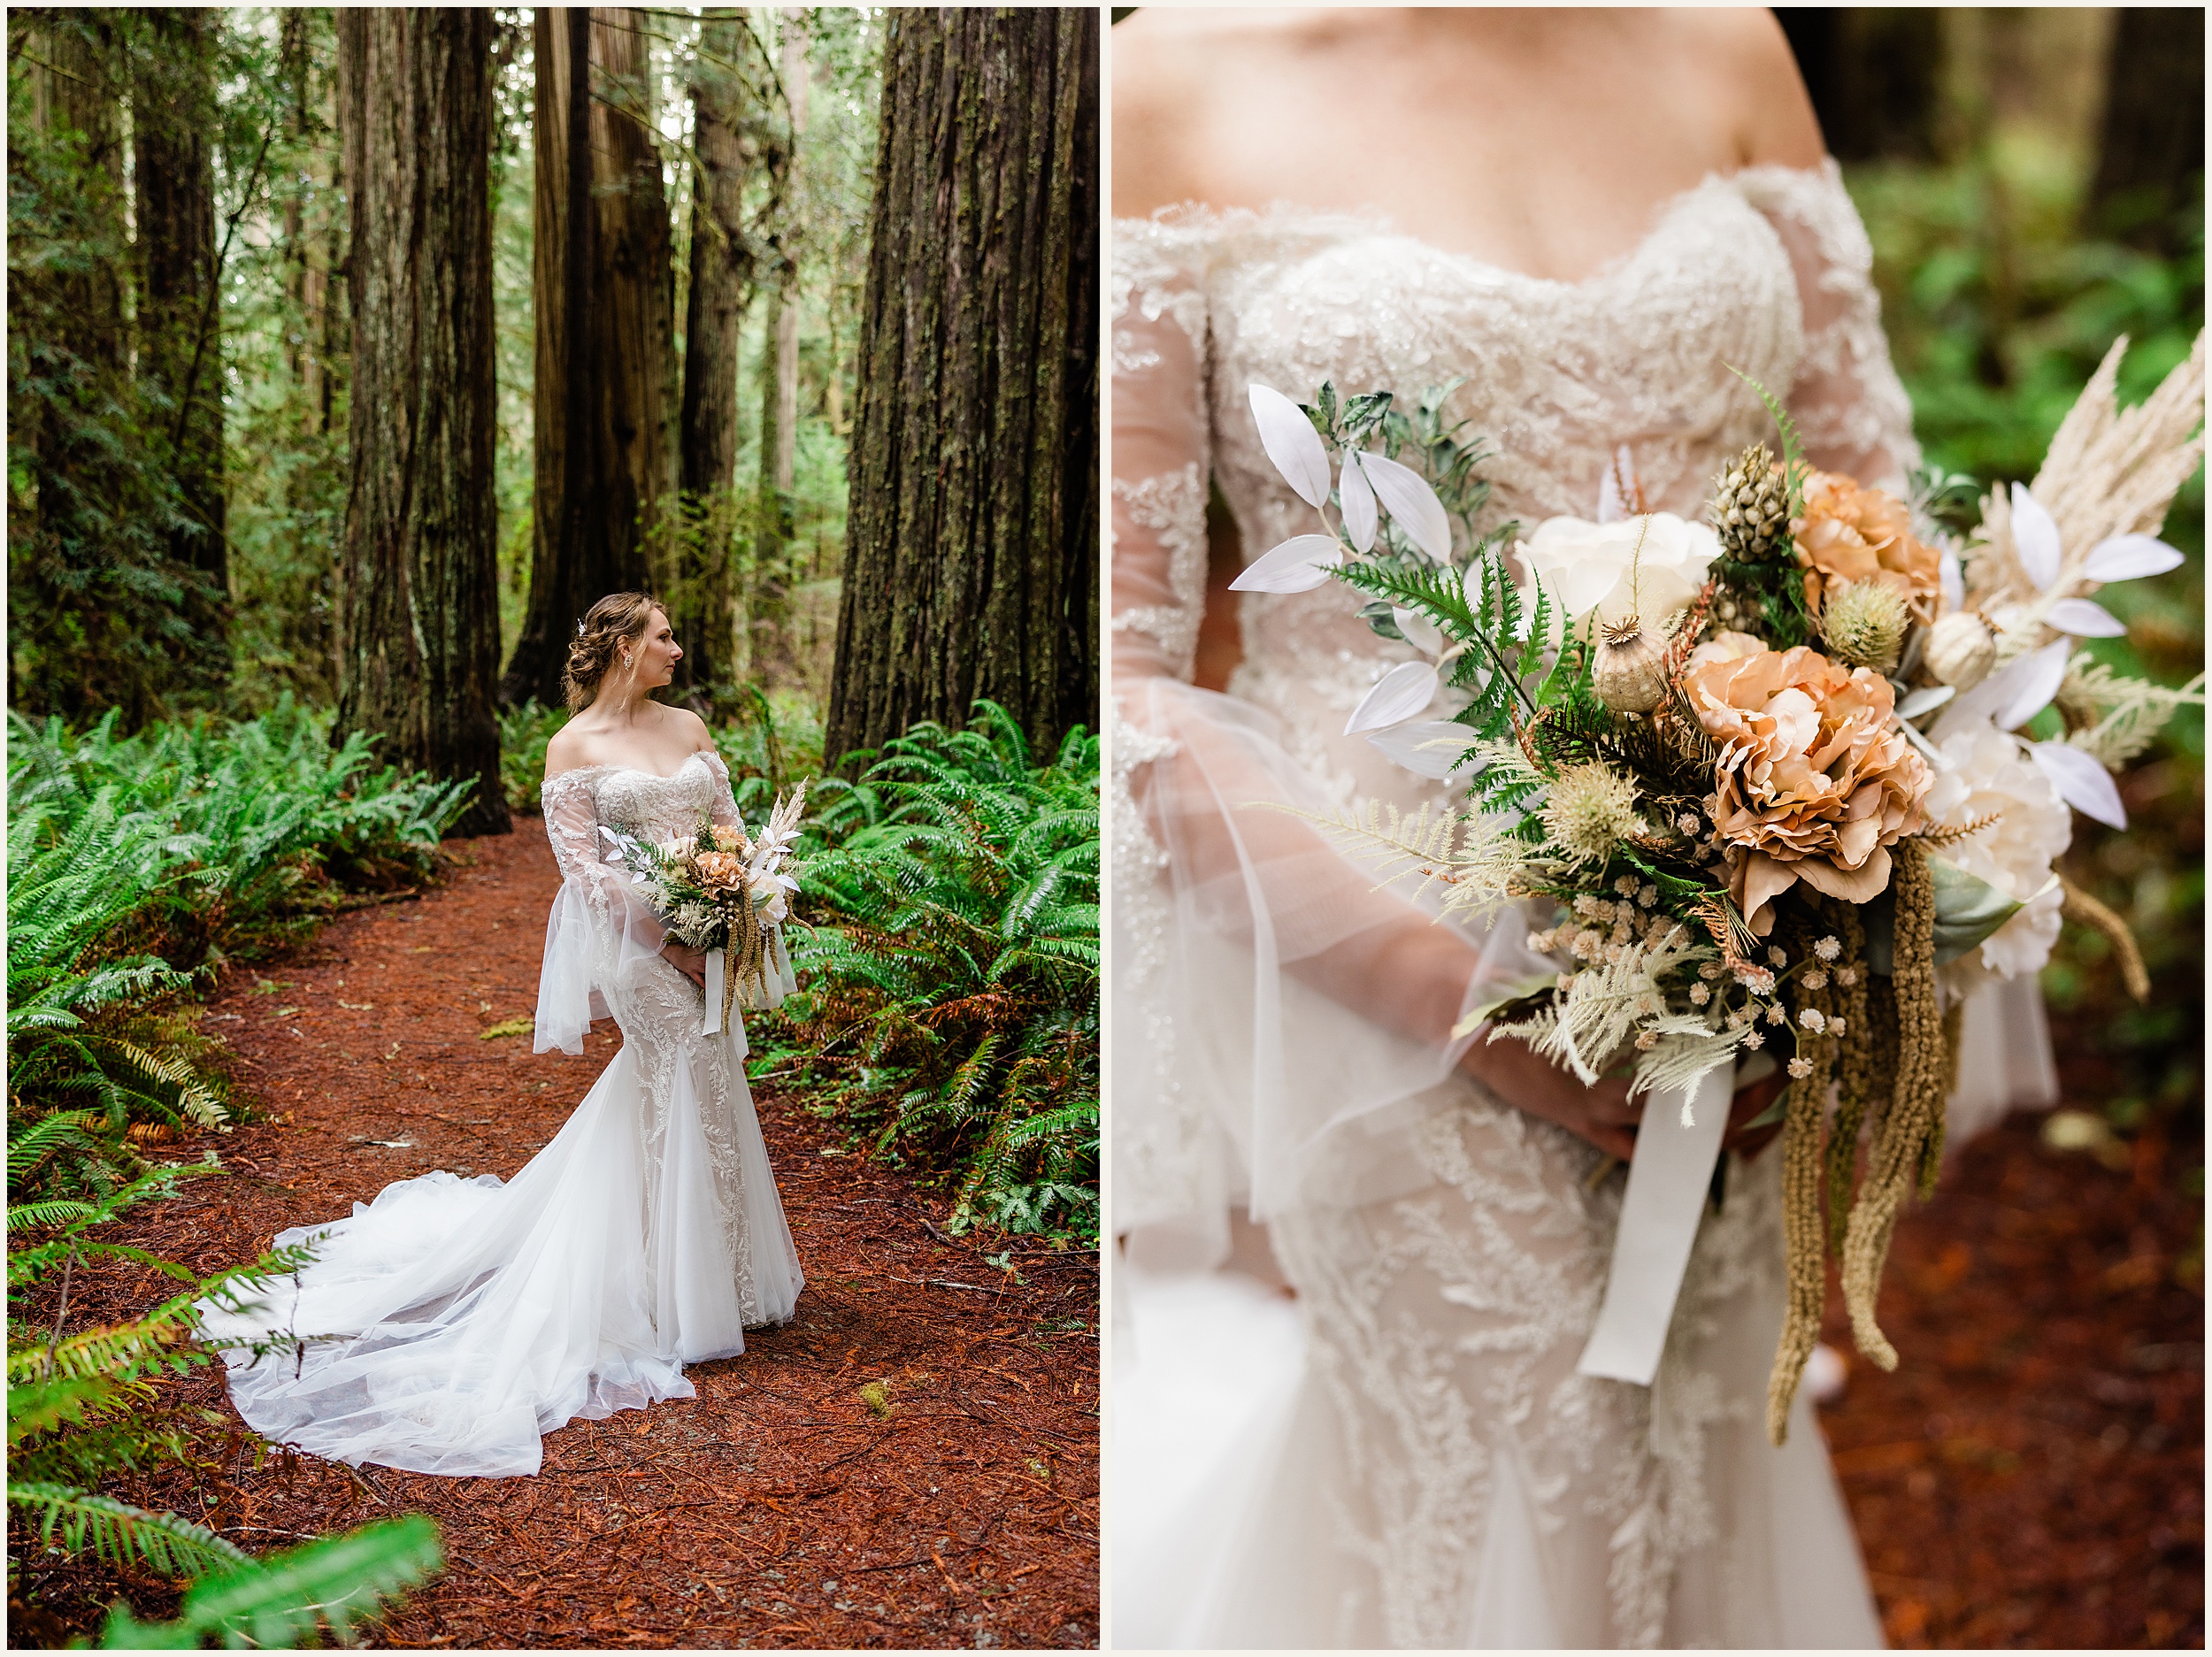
(613, 622)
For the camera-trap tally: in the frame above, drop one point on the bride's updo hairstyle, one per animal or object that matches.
(617, 619)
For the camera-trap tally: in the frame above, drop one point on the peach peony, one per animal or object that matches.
(719, 871)
(729, 838)
(1816, 780)
(1852, 533)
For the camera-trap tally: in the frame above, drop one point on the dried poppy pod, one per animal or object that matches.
(1629, 672)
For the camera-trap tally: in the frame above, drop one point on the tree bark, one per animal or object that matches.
(722, 265)
(72, 325)
(419, 608)
(609, 252)
(971, 561)
(2150, 155)
(179, 355)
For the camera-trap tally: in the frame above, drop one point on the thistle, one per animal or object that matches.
(1865, 623)
(1590, 810)
(1751, 506)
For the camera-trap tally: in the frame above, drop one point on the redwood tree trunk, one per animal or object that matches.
(2150, 155)
(419, 608)
(722, 260)
(606, 250)
(180, 360)
(971, 558)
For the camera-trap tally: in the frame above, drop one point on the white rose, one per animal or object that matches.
(1586, 565)
(1983, 770)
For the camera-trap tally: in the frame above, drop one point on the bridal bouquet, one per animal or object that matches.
(1786, 781)
(727, 893)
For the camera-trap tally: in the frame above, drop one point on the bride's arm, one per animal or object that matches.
(1206, 775)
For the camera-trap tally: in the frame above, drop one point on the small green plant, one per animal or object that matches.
(86, 1405)
(953, 984)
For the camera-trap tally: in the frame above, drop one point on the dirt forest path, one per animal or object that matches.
(956, 1504)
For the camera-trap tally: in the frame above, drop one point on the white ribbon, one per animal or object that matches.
(1668, 1179)
(714, 993)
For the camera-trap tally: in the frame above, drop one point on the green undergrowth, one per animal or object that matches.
(949, 1017)
(136, 866)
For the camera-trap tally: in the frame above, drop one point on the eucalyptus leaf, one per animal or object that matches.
(1967, 909)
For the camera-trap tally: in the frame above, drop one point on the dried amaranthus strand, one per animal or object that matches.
(1917, 1102)
(1811, 1072)
(1867, 1067)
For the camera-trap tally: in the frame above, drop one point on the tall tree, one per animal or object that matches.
(766, 603)
(98, 612)
(726, 148)
(420, 609)
(2150, 155)
(971, 560)
(603, 246)
(174, 120)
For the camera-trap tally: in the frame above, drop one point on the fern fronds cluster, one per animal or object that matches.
(951, 989)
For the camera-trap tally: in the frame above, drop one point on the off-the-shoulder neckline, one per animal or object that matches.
(1290, 217)
(635, 771)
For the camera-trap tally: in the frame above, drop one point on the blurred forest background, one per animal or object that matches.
(2032, 181)
(353, 353)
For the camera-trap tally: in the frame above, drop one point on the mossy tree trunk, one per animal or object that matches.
(602, 260)
(419, 608)
(174, 120)
(972, 555)
(722, 259)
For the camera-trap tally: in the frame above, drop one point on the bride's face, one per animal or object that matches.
(655, 654)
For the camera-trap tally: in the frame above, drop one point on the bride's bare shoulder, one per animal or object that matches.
(1173, 70)
(1755, 76)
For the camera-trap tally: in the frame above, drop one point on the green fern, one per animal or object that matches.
(115, 1533)
(953, 984)
(288, 1598)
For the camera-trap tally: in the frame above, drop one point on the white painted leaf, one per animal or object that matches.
(1408, 498)
(1358, 501)
(2035, 538)
(1428, 748)
(1994, 695)
(2041, 674)
(2081, 781)
(1953, 578)
(1399, 694)
(1292, 443)
(2086, 618)
(1420, 633)
(1299, 565)
(1926, 700)
(2130, 558)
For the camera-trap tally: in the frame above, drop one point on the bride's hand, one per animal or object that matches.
(1602, 1113)
(691, 962)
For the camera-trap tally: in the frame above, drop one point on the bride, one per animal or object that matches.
(1583, 220)
(464, 1318)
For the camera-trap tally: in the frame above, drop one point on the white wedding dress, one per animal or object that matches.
(1408, 1457)
(468, 1317)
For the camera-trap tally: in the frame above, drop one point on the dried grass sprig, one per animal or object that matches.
(2086, 910)
(1805, 1259)
(1915, 1107)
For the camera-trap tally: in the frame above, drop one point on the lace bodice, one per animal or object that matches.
(1282, 1029)
(639, 802)
(1766, 272)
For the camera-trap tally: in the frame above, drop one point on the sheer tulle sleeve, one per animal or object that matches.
(1267, 993)
(601, 933)
(1845, 398)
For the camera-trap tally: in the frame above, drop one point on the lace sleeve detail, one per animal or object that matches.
(1845, 397)
(723, 811)
(1160, 453)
